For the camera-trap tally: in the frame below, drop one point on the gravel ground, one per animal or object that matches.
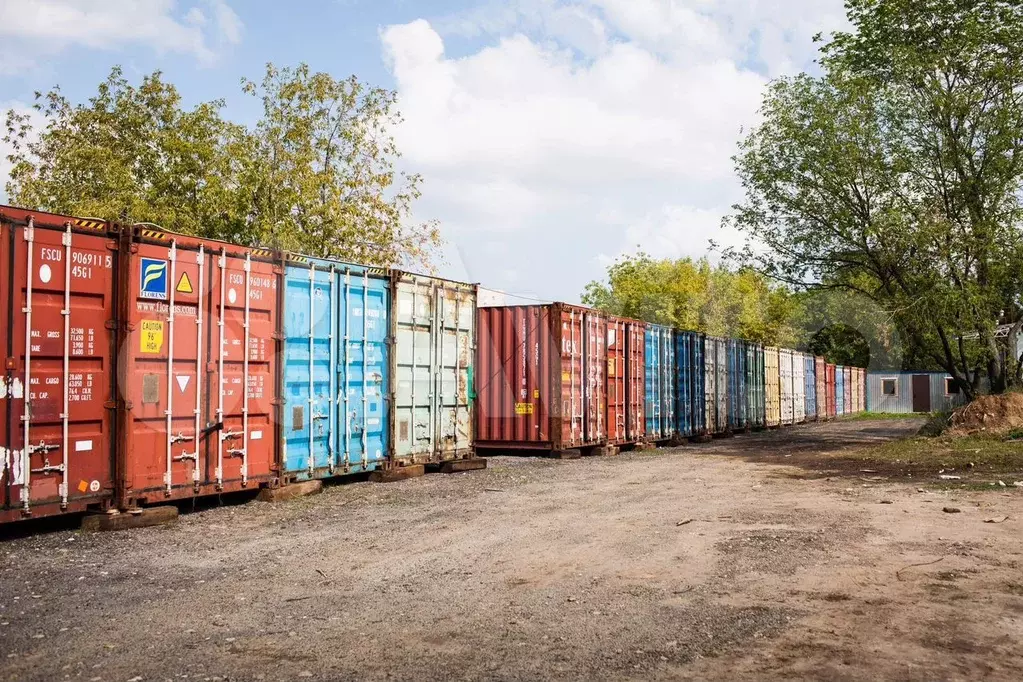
(725, 560)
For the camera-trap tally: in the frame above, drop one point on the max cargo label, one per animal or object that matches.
(151, 337)
(523, 408)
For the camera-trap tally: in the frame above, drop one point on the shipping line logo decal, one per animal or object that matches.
(153, 279)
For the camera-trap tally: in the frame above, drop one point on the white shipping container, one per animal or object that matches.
(434, 331)
(798, 387)
(785, 381)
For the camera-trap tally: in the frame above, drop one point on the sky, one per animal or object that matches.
(554, 136)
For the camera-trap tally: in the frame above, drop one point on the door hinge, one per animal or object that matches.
(111, 325)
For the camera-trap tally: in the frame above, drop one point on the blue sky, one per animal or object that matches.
(553, 135)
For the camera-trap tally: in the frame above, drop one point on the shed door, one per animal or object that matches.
(921, 393)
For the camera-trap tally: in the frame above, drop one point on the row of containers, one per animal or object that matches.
(561, 377)
(143, 366)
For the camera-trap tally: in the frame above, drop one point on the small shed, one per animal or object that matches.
(910, 392)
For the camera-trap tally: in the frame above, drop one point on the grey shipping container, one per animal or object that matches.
(433, 327)
(909, 392)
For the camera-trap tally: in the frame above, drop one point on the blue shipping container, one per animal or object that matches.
(839, 390)
(716, 384)
(660, 383)
(689, 412)
(755, 398)
(335, 368)
(738, 415)
(810, 381)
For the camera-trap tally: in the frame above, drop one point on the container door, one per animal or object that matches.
(572, 373)
(596, 379)
(435, 334)
(310, 310)
(513, 376)
(697, 379)
(243, 356)
(654, 378)
(722, 384)
(636, 370)
(7, 373)
(684, 390)
(733, 362)
(839, 391)
(710, 376)
(361, 362)
(617, 378)
(798, 388)
(57, 445)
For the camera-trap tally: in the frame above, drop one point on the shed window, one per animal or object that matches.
(951, 387)
(889, 387)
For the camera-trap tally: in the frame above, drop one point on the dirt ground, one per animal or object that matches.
(740, 559)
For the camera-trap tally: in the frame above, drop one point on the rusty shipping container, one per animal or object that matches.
(820, 376)
(626, 360)
(540, 377)
(58, 385)
(831, 388)
(199, 367)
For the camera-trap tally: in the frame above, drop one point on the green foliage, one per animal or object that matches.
(841, 344)
(691, 294)
(315, 174)
(897, 175)
(130, 153)
(323, 179)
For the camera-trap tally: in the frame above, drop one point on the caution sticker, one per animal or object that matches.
(151, 338)
(184, 284)
(611, 366)
(523, 408)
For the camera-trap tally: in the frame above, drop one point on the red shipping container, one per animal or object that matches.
(540, 377)
(820, 379)
(57, 388)
(199, 367)
(626, 360)
(830, 388)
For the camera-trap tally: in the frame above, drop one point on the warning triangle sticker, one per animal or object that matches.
(183, 380)
(184, 284)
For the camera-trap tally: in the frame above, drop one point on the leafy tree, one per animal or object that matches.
(315, 174)
(323, 178)
(130, 153)
(897, 174)
(691, 294)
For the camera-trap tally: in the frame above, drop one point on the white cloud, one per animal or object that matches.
(51, 26)
(584, 127)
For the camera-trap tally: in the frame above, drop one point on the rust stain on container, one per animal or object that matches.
(626, 364)
(830, 389)
(57, 386)
(553, 357)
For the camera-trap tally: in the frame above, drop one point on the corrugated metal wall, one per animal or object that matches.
(772, 386)
(902, 401)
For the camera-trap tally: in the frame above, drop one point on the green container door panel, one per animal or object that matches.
(434, 346)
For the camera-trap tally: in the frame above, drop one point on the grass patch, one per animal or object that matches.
(983, 452)
(970, 486)
(879, 416)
